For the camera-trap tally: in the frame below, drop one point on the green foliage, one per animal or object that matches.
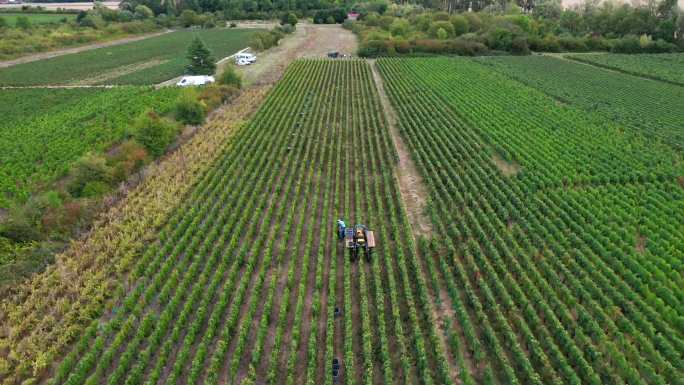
(189, 109)
(215, 95)
(265, 39)
(201, 60)
(90, 171)
(646, 107)
(23, 22)
(143, 12)
(442, 34)
(289, 18)
(330, 16)
(399, 27)
(166, 53)
(76, 121)
(667, 67)
(229, 77)
(460, 23)
(156, 133)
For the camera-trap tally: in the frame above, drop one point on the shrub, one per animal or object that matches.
(445, 25)
(233, 25)
(229, 77)
(19, 229)
(154, 132)
(90, 168)
(460, 24)
(143, 12)
(400, 27)
(189, 109)
(216, 95)
(23, 22)
(129, 157)
(3, 22)
(95, 189)
(442, 34)
(189, 18)
(330, 16)
(628, 44)
(519, 46)
(289, 18)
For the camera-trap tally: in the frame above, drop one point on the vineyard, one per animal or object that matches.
(245, 277)
(665, 67)
(640, 105)
(148, 61)
(44, 130)
(527, 212)
(560, 267)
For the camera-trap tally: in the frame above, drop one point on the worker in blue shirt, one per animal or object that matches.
(340, 228)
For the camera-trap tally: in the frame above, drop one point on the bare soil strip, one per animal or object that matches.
(506, 168)
(118, 72)
(67, 51)
(413, 191)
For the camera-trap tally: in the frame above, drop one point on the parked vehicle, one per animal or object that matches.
(195, 81)
(245, 57)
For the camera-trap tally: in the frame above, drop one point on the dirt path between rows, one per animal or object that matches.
(413, 191)
(308, 40)
(67, 51)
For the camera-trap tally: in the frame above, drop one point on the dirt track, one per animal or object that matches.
(309, 40)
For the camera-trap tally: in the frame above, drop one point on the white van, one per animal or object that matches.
(195, 81)
(246, 58)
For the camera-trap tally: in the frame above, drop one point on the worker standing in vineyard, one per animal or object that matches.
(340, 228)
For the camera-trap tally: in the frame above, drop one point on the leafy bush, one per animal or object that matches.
(460, 24)
(229, 77)
(154, 132)
(90, 168)
(23, 22)
(215, 95)
(444, 25)
(330, 16)
(128, 158)
(189, 109)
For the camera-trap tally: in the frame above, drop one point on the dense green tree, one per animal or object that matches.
(201, 60)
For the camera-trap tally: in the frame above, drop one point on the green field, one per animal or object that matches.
(665, 67)
(638, 105)
(148, 61)
(552, 254)
(37, 18)
(44, 130)
(574, 255)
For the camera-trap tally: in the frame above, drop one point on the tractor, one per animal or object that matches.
(356, 239)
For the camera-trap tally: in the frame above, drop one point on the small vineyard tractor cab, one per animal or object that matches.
(356, 239)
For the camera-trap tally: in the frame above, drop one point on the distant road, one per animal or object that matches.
(53, 6)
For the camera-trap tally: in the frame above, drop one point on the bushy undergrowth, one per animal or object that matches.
(402, 30)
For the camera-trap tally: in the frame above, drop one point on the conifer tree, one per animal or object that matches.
(201, 60)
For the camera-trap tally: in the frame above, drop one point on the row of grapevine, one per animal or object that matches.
(91, 274)
(41, 140)
(234, 288)
(642, 106)
(668, 67)
(546, 283)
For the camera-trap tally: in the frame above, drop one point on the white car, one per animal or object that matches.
(195, 81)
(247, 58)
